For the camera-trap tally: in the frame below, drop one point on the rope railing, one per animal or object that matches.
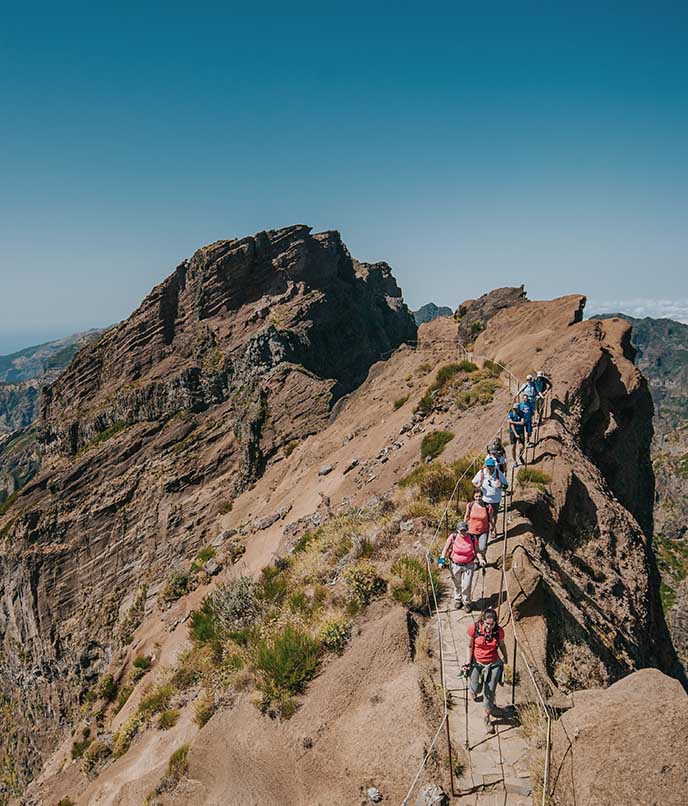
(504, 585)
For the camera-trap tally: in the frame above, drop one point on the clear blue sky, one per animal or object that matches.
(539, 143)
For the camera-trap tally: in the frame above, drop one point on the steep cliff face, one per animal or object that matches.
(588, 577)
(154, 429)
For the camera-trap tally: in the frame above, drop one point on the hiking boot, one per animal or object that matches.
(458, 604)
(489, 727)
(468, 606)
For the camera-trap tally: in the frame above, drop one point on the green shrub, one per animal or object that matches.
(291, 447)
(399, 402)
(142, 663)
(303, 542)
(492, 367)
(125, 735)
(477, 327)
(434, 443)
(481, 393)
(7, 503)
(168, 719)
(107, 688)
(204, 709)
(527, 475)
(97, 751)
(448, 372)
(204, 627)
(178, 585)
(363, 582)
(156, 700)
(235, 603)
(425, 404)
(122, 697)
(65, 802)
(436, 482)
(79, 748)
(334, 633)
(177, 768)
(205, 554)
(284, 662)
(412, 588)
(272, 587)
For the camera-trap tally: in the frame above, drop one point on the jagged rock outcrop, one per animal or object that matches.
(429, 312)
(474, 314)
(155, 427)
(625, 744)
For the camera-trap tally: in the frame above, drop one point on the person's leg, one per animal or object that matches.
(475, 681)
(455, 571)
(482, 548)
(466, 584)
(490, 689)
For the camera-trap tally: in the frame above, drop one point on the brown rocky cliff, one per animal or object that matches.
(155, 428)
(588, 575)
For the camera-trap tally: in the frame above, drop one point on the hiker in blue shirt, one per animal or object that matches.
(517, 432)
(527, 408)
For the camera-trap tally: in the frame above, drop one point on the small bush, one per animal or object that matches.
(79, 748)
(142, 664)
(434, 443)
(177, 768)
(492, 367)
(527, 475)
(363, 582)
(477, 327)
(122, 697)
(425, 404)
(284, 662)
(204, 709)
(399, 402)
(291, 447)
(226, 507)
(481, 393)
(156, 700)
(436, 482)
(107, 688)
(235, 603)
(204, 627)
(66, 802)
(96, 752)
(448, 372)
(205, 554)
(178, 585)
(334, 633)
(272, 587)
(168, 719)
(123, 738)
(412, 588)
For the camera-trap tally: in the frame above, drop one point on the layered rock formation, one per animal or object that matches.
(240, 352)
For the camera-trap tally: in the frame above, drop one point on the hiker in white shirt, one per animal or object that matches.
(491, 482)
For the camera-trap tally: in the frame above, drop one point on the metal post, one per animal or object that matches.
(451, 760)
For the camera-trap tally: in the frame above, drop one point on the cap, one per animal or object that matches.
(462, 526)
(540, 373)
(490, 462)
(515, 406)
(529, 377)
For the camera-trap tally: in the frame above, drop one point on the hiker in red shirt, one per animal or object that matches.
(480, 518)
(485, 643)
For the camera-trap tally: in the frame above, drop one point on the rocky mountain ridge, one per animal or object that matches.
(243, 407)
(429, 311)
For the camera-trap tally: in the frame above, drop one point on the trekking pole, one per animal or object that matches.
(451, 761)
(466, 707)
(513, 669)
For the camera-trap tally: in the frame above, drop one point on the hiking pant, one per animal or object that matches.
(485, 678)
(462, 577)
(482, 541)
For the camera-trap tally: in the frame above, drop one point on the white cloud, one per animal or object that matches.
(676, 309)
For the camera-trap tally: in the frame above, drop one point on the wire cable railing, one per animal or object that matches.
(504, 586)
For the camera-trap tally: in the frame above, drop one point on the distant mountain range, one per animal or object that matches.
(24, 373)
(430, 311)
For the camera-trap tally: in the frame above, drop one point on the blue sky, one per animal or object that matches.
(537, 143)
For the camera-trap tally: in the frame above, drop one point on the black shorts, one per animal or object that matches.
(514, 438)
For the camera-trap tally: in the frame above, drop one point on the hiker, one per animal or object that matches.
(527, 408)
(483, 664)
(491, 482)
(497, 452)
(460, 549)
(542, 386)
(517, 433)
(480, 517)
(530, 390)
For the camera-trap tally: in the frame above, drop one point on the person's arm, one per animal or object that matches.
(469, 651)
(467, 512)
(447, 547)
(477, 481)
(503, 650)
